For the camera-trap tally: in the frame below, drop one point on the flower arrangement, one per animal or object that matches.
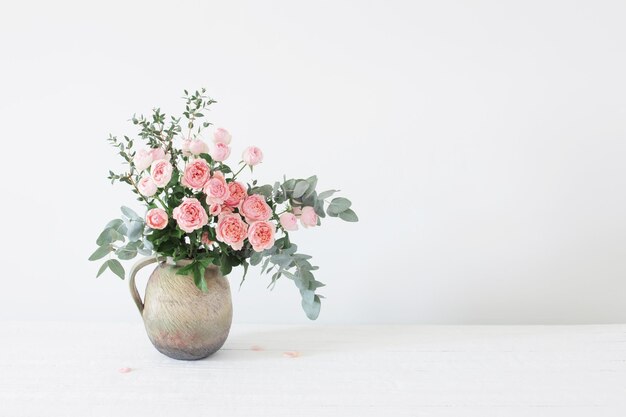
(197, 208)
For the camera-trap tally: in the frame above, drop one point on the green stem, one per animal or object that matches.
(161, 201)
(238, 172)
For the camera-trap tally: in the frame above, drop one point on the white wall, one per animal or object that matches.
(482, 143)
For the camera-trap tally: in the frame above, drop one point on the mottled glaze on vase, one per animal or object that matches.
(183, 322)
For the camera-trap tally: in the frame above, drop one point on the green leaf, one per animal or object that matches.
(126, 252)
(313, 285)
(245, 272)
(206, 157)
(103, 268)
(349, 215)
(312, 181)
(256, 258)
(282, 259)
(118, 225)
(265, 264)
(130, 213)
(101, 252)
(312, 310)
(337, 205)
(308, 296)
(264, 190)
(185, 270)
(225, 265)
(319, 208)
(135, 230)
(116, 267)
(224, 169)
(198, 277)
(325, 194)
(109, 236)
(300, 189)
(288, 186)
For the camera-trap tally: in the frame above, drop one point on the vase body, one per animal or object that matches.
(182, 321)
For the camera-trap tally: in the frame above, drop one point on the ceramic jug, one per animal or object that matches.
(183, 322)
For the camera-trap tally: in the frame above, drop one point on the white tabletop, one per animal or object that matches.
(70, 369)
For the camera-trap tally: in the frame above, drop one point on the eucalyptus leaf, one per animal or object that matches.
(282, 259)
(128, 212)
(118, 225)
(116, 267)
(313, 285)
(319, 207)
(309, 198)
(135, 230)
(337, 205)
(265, 264)
(300, 189)
(109, 236)
(103, 268)
(101, 252)
(125, 253)
(308, 296)
(142, 249)
(312, 181)
(256, 258)
(288, 186)
(148, 245)
(325, 194)
(312, 310)
(348, 215)
(264, 190)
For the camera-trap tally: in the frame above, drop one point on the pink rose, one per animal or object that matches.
(308, 218)
(222, 136)
(156, 218)
(252, 156)
(197, 173)
(261, 235)
(161, 172)
(205, 239)
(215, 209)
(147, 187)
(142, 159)
(159, 153)
(220, 152)
(185, 147)
(254, 208)
(231, 230)
(227, 210)
(238, 192)
(190, 215)
(196, 147)
(216, 189)
(288, 221)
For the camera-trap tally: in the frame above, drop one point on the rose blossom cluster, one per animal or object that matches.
(217, 202)
(159, 170)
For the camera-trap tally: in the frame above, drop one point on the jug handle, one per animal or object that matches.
(131, 282)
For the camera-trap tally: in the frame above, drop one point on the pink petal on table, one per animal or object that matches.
(256, 348)
(291, 354)
(124, 370)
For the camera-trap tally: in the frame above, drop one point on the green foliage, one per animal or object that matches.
(114, 265)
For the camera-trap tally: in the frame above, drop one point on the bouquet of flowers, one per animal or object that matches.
(198, 209)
